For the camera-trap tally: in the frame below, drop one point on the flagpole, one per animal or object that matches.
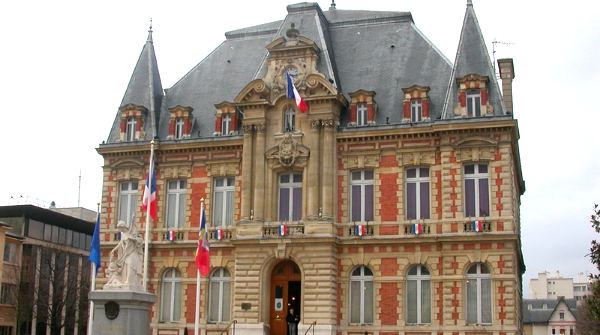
(198, 278)
(147, 237)
(93, 286)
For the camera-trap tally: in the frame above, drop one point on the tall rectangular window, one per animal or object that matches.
(219, 297)
(223, 202)
(362, 196)
(10, 252)
(225, 124)
(290, 197)
(416, 110)
(130, 130)
(128, 191)
(418, 295)
(361, 114)
(479, 294)
(176, 193)
(417, 193)
(474, 103)
(477, 190)
(179, 125)
(361, 296)
(290, 120)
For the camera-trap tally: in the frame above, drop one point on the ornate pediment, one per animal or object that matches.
(361, 160)
(475, 148)
(128, 168)
(256, 90)
(288, 152)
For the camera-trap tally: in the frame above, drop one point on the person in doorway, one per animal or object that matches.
(292, 320)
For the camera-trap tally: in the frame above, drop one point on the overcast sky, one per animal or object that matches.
(65, 65)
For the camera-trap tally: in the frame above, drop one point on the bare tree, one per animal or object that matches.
(55, 281)
(587, 324)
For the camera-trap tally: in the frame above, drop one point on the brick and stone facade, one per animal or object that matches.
(325, 150)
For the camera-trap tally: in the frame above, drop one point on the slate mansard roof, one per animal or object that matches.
(375, 51)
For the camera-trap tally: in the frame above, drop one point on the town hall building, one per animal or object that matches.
(389, 207)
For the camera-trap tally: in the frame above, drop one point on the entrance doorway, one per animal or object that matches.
(286, 293)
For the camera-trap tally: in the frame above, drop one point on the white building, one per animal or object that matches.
(552, 286)
(549, 316)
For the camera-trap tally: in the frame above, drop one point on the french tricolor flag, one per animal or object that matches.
(417, 228)
(150, 191)
(292, 92)
(171, 236)
(283, 230)
(219, 234)
(359, 230)
(477, 226)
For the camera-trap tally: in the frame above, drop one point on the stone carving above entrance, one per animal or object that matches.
(288, 152)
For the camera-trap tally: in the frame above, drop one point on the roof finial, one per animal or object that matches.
(293, 33)
(332, 6)
(150, 32)
(469, 3)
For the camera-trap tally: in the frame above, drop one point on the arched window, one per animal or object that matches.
(170, 303)
(418, 295)
(219, 299)
(361, 295)
(479, 294)
(290, 120)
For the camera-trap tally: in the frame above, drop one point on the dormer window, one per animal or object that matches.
(179, 127)
(416, 110)
(362, 108)
(180, 123)
(473, 103)
(416, 104)
(290, 120)
(130, 130)
(132, 123)
(361, 114)
(473, 96)
(225, 124)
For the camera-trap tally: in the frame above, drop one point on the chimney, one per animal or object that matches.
(507, 73)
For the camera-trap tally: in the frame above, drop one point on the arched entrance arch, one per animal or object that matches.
(286, 291)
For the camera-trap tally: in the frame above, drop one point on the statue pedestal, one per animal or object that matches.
(120, 312)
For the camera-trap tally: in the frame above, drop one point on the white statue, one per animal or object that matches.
(125, 273)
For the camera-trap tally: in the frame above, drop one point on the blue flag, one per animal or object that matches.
(95, 252)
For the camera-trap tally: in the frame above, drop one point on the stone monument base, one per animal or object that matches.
(118, 312)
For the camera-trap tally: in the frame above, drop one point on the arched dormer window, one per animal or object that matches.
(132, 122)
(416, 104)
(473, 96)
(180, 122)
(226, 122)
(362, 108)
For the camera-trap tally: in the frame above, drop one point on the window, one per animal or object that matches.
(176, 193)
(477, 193)
(130, 130)
(561, 315)
(170, 305)
(10, 252)
(416, 110)
(577, 289)
(290, 197)
(179, 126)
(417, 193)
(479, 294)
(290, 120)
(362, 198)
(8, 293)
(361, 114)
(418, 290)
(225, 124)
(127, 200)
(473, 103)
(223, 202)
(6, 330)
(361, 296)
(219, 299)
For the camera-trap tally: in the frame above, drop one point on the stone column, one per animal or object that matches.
(247, 171)
(259, 173)
(313, 170)
(328, 169)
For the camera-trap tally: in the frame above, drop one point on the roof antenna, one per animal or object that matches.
(150, 32)
(494, 54)
(332, 6)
